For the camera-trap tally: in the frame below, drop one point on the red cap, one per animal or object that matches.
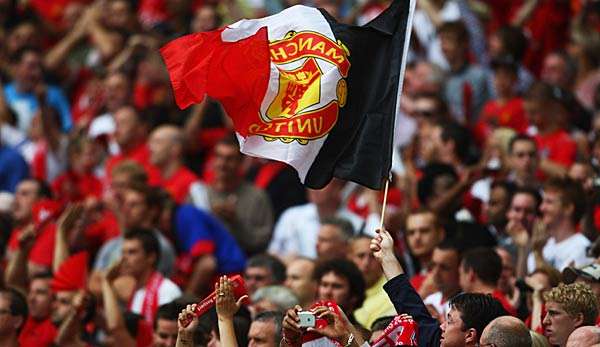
(72, 273)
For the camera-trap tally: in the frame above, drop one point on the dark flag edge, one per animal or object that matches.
(366, 159)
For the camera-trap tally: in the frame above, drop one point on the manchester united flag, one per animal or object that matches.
(302, 88)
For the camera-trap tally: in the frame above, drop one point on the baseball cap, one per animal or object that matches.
(590, 272)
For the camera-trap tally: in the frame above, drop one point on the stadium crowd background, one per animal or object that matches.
(117, 209)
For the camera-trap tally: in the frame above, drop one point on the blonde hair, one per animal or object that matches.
(575, 298)
(132, 169)
(538, 340)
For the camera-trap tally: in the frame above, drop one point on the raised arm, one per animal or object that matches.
(227, 306)
(400, 291)
(185, 334)
(16, 270)
(65, 225)
(115, 323)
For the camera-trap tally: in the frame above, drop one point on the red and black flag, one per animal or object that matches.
(302, 88)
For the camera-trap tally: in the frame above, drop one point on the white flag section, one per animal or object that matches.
(289, 59)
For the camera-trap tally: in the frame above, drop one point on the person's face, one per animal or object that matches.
(422, 234)
(116, 91)
(535, 112)
(329, 195)
(127, 127)
(581, 173)
(8, 322)
(444, 266)
(558, 324)
(134, 210)
(554, 70)
(28, 72)
(453, 334)
(522, 210)
(165, 334)
(361, 255)
(61, 306)
(227, 161)
(497, 206)
(262, 334)
(495, 46)
(453, 50)
(336, 288)
(118, 15)
(25, 34)
(160, 145)
(39, 298)
(508, 271)
(504, 80)
(257, 277)
(419, 80)
(205, 19)
(135, 260)
(524, 158)
(552, 209)
(26, 194)
(299, 279)
(330, 242)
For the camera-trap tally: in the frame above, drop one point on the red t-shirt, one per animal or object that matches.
(73, 187)
(141, 155)
(558, 147)
(504, 301)
(102, 229)
(37, 333)
(417, 281)
(496, 115)
(179, 184)
(42, 252)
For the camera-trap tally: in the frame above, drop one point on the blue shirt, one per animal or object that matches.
(26, 104)
(200, 233)
(13, 169)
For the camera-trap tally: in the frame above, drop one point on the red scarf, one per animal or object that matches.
(150, 303)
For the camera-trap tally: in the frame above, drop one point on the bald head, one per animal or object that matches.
(587, 336)
(166, 145)
(506, 331)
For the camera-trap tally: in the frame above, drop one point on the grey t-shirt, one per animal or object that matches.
(110, 252)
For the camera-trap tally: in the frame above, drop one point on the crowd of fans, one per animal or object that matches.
(119, 212)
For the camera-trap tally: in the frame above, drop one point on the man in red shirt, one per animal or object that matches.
(166, 150)
(423, 233)
(506, 110)
(130, 135)
(479, 272)
(39, 330)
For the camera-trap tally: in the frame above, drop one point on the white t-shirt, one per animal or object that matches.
(435, 300)
(296, 231)
(167, 292)
(426, 32)
(561, 254)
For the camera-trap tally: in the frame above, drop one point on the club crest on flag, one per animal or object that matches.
(307, 64)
